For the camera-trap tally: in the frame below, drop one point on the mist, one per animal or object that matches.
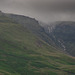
(43, 10)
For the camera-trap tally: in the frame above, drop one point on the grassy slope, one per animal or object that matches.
(32, 25)
(22, 53)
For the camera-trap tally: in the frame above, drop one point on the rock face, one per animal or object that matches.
(63, 34)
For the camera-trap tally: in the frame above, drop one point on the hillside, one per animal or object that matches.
(22, 52)
(31, 24)
(63, 34)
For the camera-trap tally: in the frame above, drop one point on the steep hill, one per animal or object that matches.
(63, 34)
(31, 24)
(22, 52)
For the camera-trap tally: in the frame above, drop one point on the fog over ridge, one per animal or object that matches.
(43, 10)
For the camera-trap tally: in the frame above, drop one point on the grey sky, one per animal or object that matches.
(44, 10)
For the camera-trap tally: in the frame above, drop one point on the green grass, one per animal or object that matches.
(23, 53)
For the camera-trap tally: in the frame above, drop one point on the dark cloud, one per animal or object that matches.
(45, 10)
(58, 6)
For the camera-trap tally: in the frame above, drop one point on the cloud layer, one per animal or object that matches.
(44, 10)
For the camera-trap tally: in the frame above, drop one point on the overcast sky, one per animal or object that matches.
(43, 10)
